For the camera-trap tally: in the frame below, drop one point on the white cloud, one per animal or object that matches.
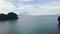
(6, 7)
(25, 0)
(52, 8)
(40, 9)
(19, 0)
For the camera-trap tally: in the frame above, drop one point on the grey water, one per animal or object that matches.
(31, 25)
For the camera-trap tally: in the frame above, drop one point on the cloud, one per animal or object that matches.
(39, 9)
(25, 0)
(45, 8)
(6, 7)
(48, 8)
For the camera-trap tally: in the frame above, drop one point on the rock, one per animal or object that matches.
(12, 16)
(9, 16)
(59, 19)
(3, 17)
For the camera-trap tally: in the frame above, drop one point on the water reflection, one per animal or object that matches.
(30, 25)
(3, 27)
(13, 27)
(8, 27)
(58, 28)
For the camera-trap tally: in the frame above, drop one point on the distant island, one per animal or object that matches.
(9, 16)
(59, 19)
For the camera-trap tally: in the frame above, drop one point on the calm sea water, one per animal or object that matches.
(31, 25)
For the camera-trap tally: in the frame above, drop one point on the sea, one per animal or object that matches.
(31, 25)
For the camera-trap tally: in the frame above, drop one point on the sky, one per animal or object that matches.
(30, 7)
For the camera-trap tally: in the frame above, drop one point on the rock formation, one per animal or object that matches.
(9, 16)
(12, 16)
(3, 17)
(59, 19)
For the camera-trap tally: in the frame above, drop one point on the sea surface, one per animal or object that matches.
(31, 25)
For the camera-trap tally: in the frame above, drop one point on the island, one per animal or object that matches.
(3, 17)
(59, 19)
(12, 16)
(9, 16)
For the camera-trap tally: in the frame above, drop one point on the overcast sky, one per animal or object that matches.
(31, 7)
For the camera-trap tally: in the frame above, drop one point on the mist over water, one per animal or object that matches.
(31, 25)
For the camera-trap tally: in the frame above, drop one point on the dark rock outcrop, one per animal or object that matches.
(12, 16)
(9, 16)
(3, 17)
(59, 19)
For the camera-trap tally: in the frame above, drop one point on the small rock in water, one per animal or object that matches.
(59, 19)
